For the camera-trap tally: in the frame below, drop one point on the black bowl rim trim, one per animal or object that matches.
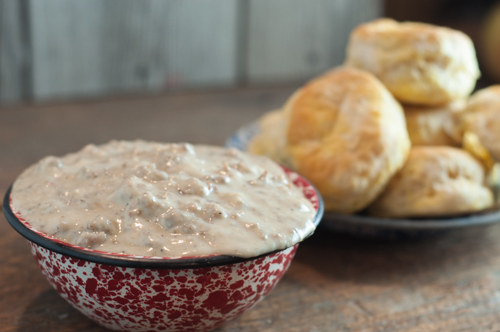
(135, 262)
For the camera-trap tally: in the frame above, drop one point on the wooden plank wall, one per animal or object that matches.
(88, 48)
(294, 39)
(14, 52)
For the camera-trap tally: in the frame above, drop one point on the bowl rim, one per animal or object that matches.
(144, 262)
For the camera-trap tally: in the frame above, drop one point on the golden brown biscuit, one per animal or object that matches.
(419, 63)
(482, 117)
(472, 144)
(435, 181)
(437, 125)
(346, 134)
(270, 141)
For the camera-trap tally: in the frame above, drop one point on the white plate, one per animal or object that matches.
(367, 226)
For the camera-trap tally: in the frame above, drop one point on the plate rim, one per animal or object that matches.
(243, 135)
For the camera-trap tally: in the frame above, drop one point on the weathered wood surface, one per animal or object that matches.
(62, 50)
(335, 283)
(14, 52)
(294, 40)
(92, 47)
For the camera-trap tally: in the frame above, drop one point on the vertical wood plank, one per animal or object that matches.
(14, 54)
(67, 59)
(93, 47)
(201, 41)
(292, 40)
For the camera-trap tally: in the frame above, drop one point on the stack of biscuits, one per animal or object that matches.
(393, 132)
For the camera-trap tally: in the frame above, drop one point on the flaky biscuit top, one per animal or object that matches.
(435, 181)
(419, 63)
(347, 134)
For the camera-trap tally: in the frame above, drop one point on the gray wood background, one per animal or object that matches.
(67, 49)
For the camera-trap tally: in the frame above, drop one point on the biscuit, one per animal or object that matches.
(270, 141)
(346, 134)
(435, 181)
(438, 125)
(419, 63)
(482, 117)
(472, 144)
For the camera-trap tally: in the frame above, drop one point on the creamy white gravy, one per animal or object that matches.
(169, 200)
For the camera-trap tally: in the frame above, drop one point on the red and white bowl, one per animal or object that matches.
(137, 293)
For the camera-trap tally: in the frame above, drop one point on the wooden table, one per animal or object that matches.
(336, 283)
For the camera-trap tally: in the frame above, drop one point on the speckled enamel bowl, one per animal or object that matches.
(132, 293)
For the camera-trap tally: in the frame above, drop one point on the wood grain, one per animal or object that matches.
(14, 52)
(336, 283)
(295, 40)
(66, 50)
(85, 48)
